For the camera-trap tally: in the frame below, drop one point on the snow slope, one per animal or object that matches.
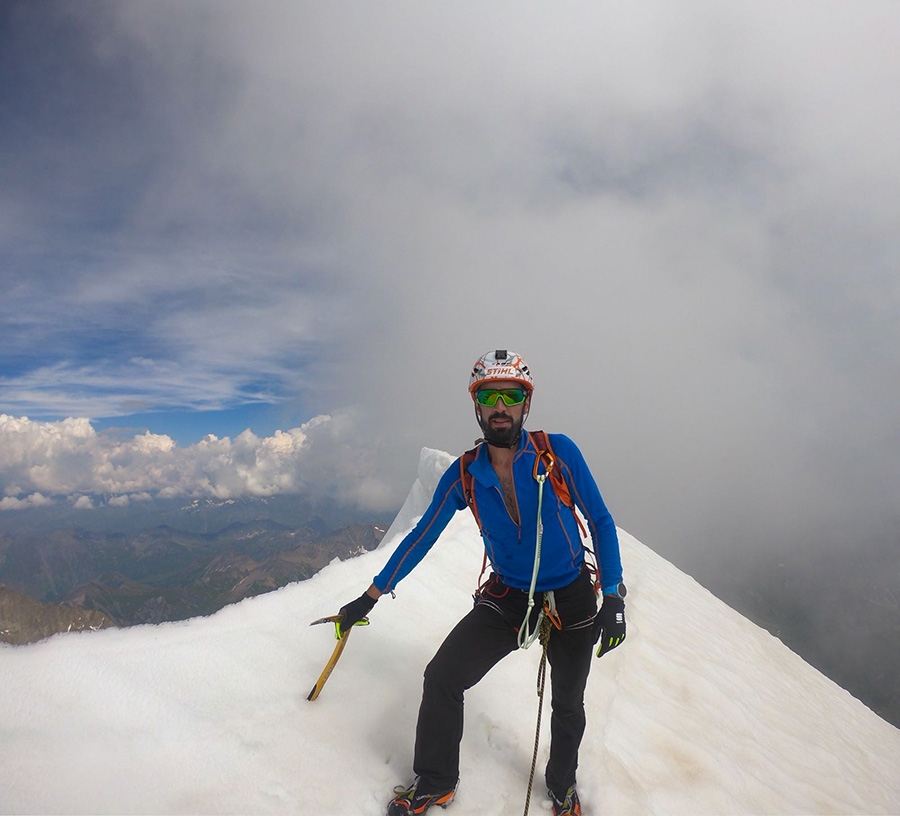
(699, 712)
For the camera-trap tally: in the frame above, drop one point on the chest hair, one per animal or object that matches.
(509, 493)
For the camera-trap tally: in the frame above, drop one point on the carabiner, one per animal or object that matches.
(550, 464)
(550, 609)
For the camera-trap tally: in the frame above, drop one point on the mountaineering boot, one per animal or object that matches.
(567, 805)
(407, 801)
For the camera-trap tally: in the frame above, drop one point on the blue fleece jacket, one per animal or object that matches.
(510, 546)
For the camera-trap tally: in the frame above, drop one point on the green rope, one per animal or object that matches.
(526, 636)
(544, 630)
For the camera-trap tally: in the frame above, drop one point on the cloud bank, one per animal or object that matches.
(41, 462)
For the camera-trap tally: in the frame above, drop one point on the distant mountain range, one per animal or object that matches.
(208, 554)
(190, 515)
(25, 620)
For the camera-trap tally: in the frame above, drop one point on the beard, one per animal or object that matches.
(505, 435)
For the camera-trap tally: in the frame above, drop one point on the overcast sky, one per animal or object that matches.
(684, 216)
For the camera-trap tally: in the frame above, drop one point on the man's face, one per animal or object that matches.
(502, 423)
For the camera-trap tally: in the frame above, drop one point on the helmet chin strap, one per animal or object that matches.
(497, 444)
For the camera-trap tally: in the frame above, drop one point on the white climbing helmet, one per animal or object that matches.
(500, 365)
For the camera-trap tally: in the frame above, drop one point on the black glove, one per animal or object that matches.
(609, 624)
(353, 613)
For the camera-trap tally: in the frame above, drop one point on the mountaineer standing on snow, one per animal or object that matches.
(503, 481)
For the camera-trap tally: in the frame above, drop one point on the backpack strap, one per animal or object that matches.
(468, 483)
(541, 442)
(468, 486)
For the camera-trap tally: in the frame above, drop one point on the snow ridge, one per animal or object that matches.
(699, 712)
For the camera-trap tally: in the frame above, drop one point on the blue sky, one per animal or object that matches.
(218, 214)
(187, 427)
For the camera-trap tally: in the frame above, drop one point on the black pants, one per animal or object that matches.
(476, 644)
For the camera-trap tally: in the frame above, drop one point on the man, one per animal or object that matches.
(545, 562)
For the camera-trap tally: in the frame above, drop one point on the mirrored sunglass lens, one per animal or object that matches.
(487, 397)
(513, 396)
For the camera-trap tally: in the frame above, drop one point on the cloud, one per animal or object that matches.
(685, 220)
(68, 458)
(34, 500)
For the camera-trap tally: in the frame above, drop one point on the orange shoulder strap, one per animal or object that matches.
(541, 442)
(468, 487)
(545, 454)
(468, 482)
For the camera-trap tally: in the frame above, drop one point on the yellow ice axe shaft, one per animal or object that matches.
(329, 666)
(335, 655)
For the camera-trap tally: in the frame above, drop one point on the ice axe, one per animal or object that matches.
(335, 655)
